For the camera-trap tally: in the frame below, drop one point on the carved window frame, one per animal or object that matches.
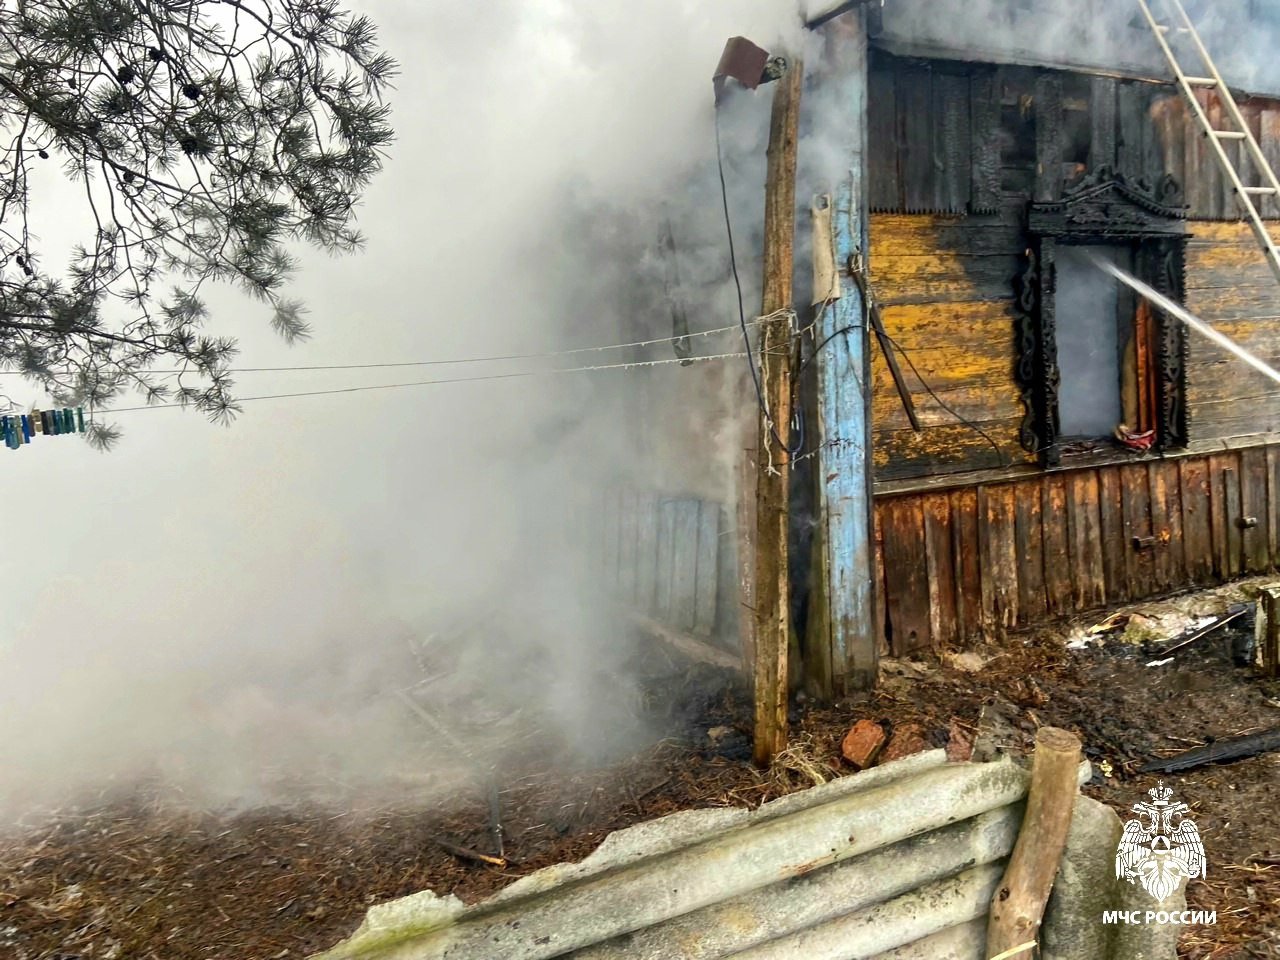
(1104, 209)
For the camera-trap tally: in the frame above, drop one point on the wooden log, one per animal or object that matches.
(1220, 751)
(772, 591)
(1018, 905)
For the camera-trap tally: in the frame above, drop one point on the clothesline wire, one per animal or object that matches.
(577, 351)
(427, 383)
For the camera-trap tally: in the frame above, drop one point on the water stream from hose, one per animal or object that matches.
(1190, 319)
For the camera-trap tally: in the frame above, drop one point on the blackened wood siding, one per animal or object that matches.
(956, 137)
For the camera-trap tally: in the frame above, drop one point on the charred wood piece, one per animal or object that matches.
(466, 853)
(1220, 751)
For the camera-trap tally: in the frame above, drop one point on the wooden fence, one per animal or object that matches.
(672, 560)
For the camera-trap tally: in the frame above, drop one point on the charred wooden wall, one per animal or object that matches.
(971, 536)
(955, 564)
(958, 152)
(964, 138)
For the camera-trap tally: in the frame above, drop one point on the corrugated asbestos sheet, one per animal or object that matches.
(898, 862)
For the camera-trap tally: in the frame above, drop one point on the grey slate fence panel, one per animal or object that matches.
(898, 862)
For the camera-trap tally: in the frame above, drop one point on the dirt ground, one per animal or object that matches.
(144, 877)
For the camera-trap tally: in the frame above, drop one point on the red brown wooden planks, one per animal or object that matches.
(1166, 525)
(1084, 530)
(968, 563)
(1235, 535)
(941, 560)
(906, 575)
(882, 603)
(1273, 491)
(1253, 507)
(1140, 548)
(1057, 553)
(1197, 524)
(998, 536)
(1220, 469)
(1115, 542)
(1029, 540)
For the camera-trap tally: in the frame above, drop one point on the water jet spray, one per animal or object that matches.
(1181, 312)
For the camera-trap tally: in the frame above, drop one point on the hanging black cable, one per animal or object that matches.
(938, 400)
(797, 415)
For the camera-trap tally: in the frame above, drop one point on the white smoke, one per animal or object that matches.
(229, 609)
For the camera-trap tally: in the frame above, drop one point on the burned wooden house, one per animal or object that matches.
(1078, 447)
(1074, 446)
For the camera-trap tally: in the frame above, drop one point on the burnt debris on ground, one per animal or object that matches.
(146, 876)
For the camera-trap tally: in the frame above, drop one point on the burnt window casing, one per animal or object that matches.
(1141, 365)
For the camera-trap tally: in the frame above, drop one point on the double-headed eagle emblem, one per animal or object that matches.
(1161, 847)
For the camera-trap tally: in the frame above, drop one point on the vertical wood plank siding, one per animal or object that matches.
(984, 559)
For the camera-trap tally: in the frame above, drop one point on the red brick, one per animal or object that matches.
(862, 743)
(906, 740)
(959, 743)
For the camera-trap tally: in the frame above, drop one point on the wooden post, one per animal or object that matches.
(746, 517)
(773, 515)
(842, 636)
(1019, 902)
(1268, 630)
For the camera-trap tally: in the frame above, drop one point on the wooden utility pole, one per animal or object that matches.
(1019, 902)
(772, 593)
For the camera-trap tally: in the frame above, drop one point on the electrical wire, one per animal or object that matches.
(494, 359)
(797, 415)
(1004, 461)
(426, 383)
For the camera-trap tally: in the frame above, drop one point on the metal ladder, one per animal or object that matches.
(1241, 132)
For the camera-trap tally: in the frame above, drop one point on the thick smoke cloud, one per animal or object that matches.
(1100, 35)
(229, 608)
